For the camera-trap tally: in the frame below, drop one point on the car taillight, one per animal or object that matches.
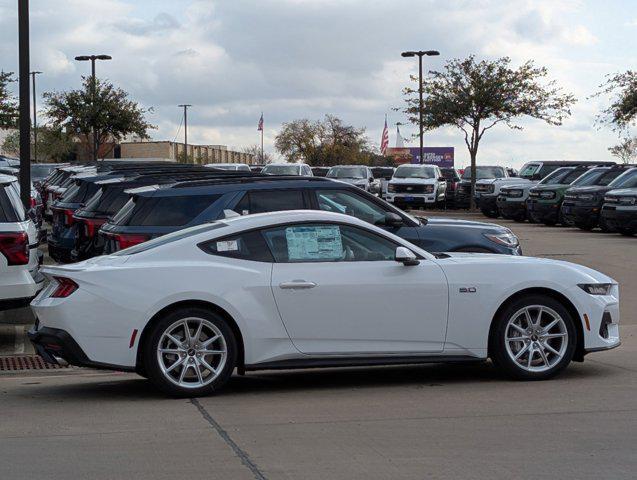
(33, 203)
(65, 287)
(128, 240)
(15, 247)
(68, 217)
(92, 225)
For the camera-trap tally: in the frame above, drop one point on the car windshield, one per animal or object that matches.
(627, 180)
(415, 171)
(171, 237)
(41, 171)
(383, 172)
(585, 179)
(484, 173)
(281, 169)
(607, 177)
(347, 172)
(529, 170)
(556, 176)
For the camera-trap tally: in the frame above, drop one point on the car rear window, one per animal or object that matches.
(8, 211)
(164, 211)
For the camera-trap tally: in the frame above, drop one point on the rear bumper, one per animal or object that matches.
(54, 343)
(60, 252)
(18, 287)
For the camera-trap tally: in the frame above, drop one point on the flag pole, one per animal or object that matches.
(261, 138)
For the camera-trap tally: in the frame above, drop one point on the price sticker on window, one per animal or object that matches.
(227, 246)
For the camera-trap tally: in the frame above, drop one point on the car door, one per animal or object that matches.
(356, 205)
(339, 290)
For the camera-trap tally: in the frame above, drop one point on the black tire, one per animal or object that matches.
(151, 362)
(584, 226)
(530, 218)
(497, 343)
(490, 213)
(628, 232)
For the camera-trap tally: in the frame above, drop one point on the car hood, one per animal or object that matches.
(584, 274)
(556, 187)
(413, 181)
(589, 189)
(452, 222)
(623, 192)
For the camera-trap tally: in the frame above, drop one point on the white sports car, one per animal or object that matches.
(302, 289)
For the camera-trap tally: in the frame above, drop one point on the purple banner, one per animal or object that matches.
(440, 156)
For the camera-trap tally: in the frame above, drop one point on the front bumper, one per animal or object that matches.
(619, 218)
(511, 208)
(54, 343)
(487, 202)
(543, 212)
(586, 215)
(411, 199)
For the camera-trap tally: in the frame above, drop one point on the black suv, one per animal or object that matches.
(157, 210)
(582, 205)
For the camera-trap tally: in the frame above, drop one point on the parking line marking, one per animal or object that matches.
(243, 456)
(18, 342)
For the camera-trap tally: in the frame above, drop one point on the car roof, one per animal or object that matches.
(222, 185)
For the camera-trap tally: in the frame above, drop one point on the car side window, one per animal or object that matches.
(261, 201)
(303, 243)
(245, 246)
(349, 203)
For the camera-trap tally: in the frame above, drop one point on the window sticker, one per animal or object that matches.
(227, 246)
(314, 243)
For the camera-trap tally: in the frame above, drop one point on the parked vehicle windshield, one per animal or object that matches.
(627, 180)
(585, 179)
(556, 176)
(347, 172)
(383, 172)
(483, 173)
(415, 171)
(529, 170)
(281, 169)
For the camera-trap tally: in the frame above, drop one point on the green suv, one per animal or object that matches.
(545, 200)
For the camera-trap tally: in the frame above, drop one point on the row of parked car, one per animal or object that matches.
(586, 195)
(100, 209)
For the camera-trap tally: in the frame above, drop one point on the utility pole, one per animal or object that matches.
(185, 107)
(25, 121)
(35, 122)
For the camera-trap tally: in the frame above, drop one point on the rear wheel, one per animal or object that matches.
(534, 338)
(190, 352)
(629, 232)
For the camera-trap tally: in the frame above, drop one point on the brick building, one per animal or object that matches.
(175, 151)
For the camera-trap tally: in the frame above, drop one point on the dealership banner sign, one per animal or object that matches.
(441, 156)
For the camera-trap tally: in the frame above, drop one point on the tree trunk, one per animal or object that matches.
(472, 200)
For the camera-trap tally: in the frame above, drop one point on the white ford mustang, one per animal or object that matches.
(308, 289)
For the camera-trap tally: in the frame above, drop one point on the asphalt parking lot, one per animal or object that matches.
(434, 421)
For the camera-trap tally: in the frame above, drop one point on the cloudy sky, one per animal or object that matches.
(291, 59)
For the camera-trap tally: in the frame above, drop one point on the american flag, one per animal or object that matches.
(384, 141)
(260, 127)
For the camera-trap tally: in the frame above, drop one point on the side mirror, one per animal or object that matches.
(406, 256)
(393, 220)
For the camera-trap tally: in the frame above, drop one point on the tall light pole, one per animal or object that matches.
(185, 107)
(92, 58)
(25, 121)
(35, 122)
(420, 54)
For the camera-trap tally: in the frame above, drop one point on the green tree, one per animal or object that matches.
(475, 96)
(626, 150)
(622, 112)
(54, 144)
(323, 143)
(110, 111)
(8, 102)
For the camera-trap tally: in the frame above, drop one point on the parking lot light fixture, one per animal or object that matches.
(93, 58)
(420, 54)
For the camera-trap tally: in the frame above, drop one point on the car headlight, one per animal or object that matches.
(627, 200)
(596, 288)
(507, 239)
(547, 195)
(391, 188)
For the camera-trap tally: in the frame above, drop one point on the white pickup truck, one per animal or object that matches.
(416, 186)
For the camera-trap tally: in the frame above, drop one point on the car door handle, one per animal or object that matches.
(297, 284)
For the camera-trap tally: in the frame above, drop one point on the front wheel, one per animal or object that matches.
(190, 352)
(534, 338)
(490, 213)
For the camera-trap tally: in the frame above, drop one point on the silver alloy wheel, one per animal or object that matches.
(192, 352)
(536, 338)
